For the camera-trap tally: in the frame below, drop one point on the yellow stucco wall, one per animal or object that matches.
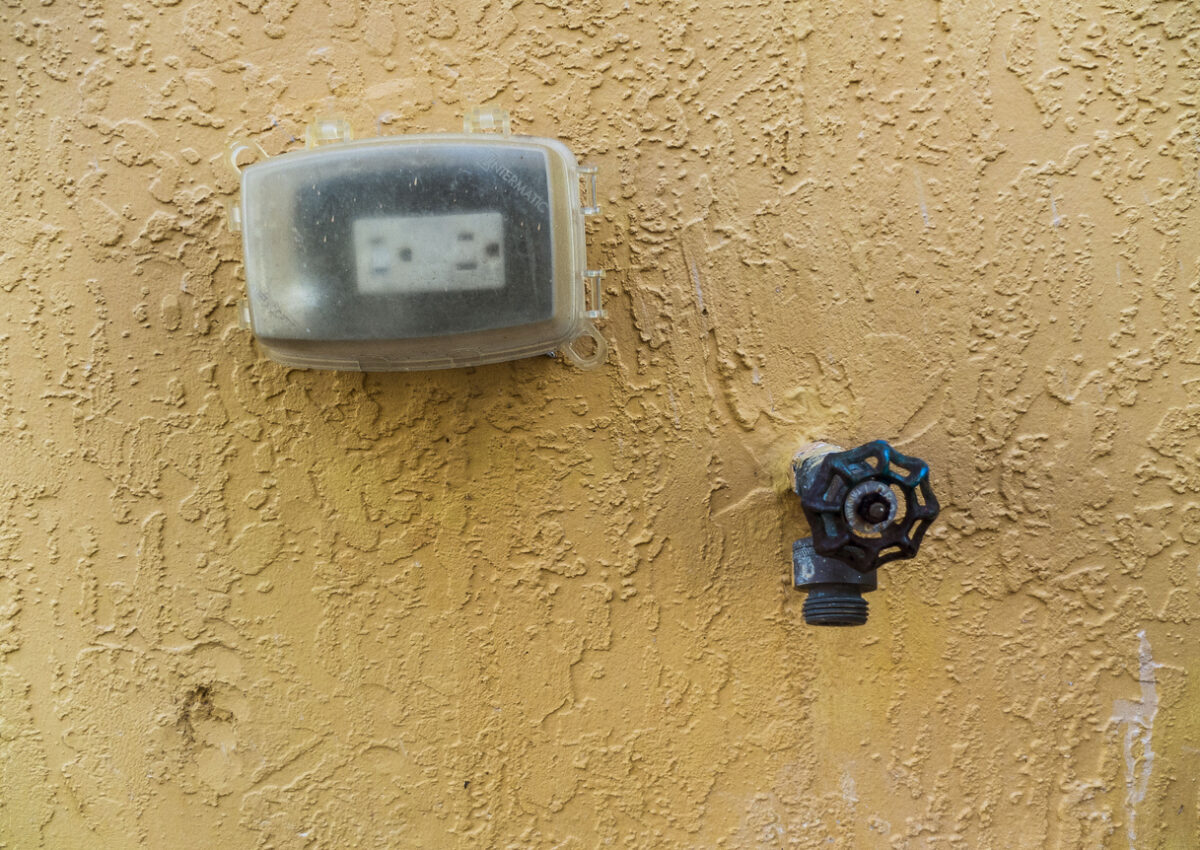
(524, 606)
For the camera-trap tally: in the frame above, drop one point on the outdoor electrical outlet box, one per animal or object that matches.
(418, 252)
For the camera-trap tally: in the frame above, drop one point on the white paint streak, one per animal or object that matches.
(695, 273)
(1056, 219)
(849, 789)
(921, 200)
(1138, 718)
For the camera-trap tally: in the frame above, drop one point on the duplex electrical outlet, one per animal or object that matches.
(430, 253)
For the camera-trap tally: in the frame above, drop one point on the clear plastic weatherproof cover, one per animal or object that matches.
(418, 252)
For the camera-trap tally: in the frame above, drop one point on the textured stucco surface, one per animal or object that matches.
(525, 606)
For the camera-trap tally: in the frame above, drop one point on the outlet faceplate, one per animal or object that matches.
(460, 252)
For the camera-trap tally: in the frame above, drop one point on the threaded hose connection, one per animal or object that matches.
(835, 605)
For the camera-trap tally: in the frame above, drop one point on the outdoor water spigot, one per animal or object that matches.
(865, 507)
